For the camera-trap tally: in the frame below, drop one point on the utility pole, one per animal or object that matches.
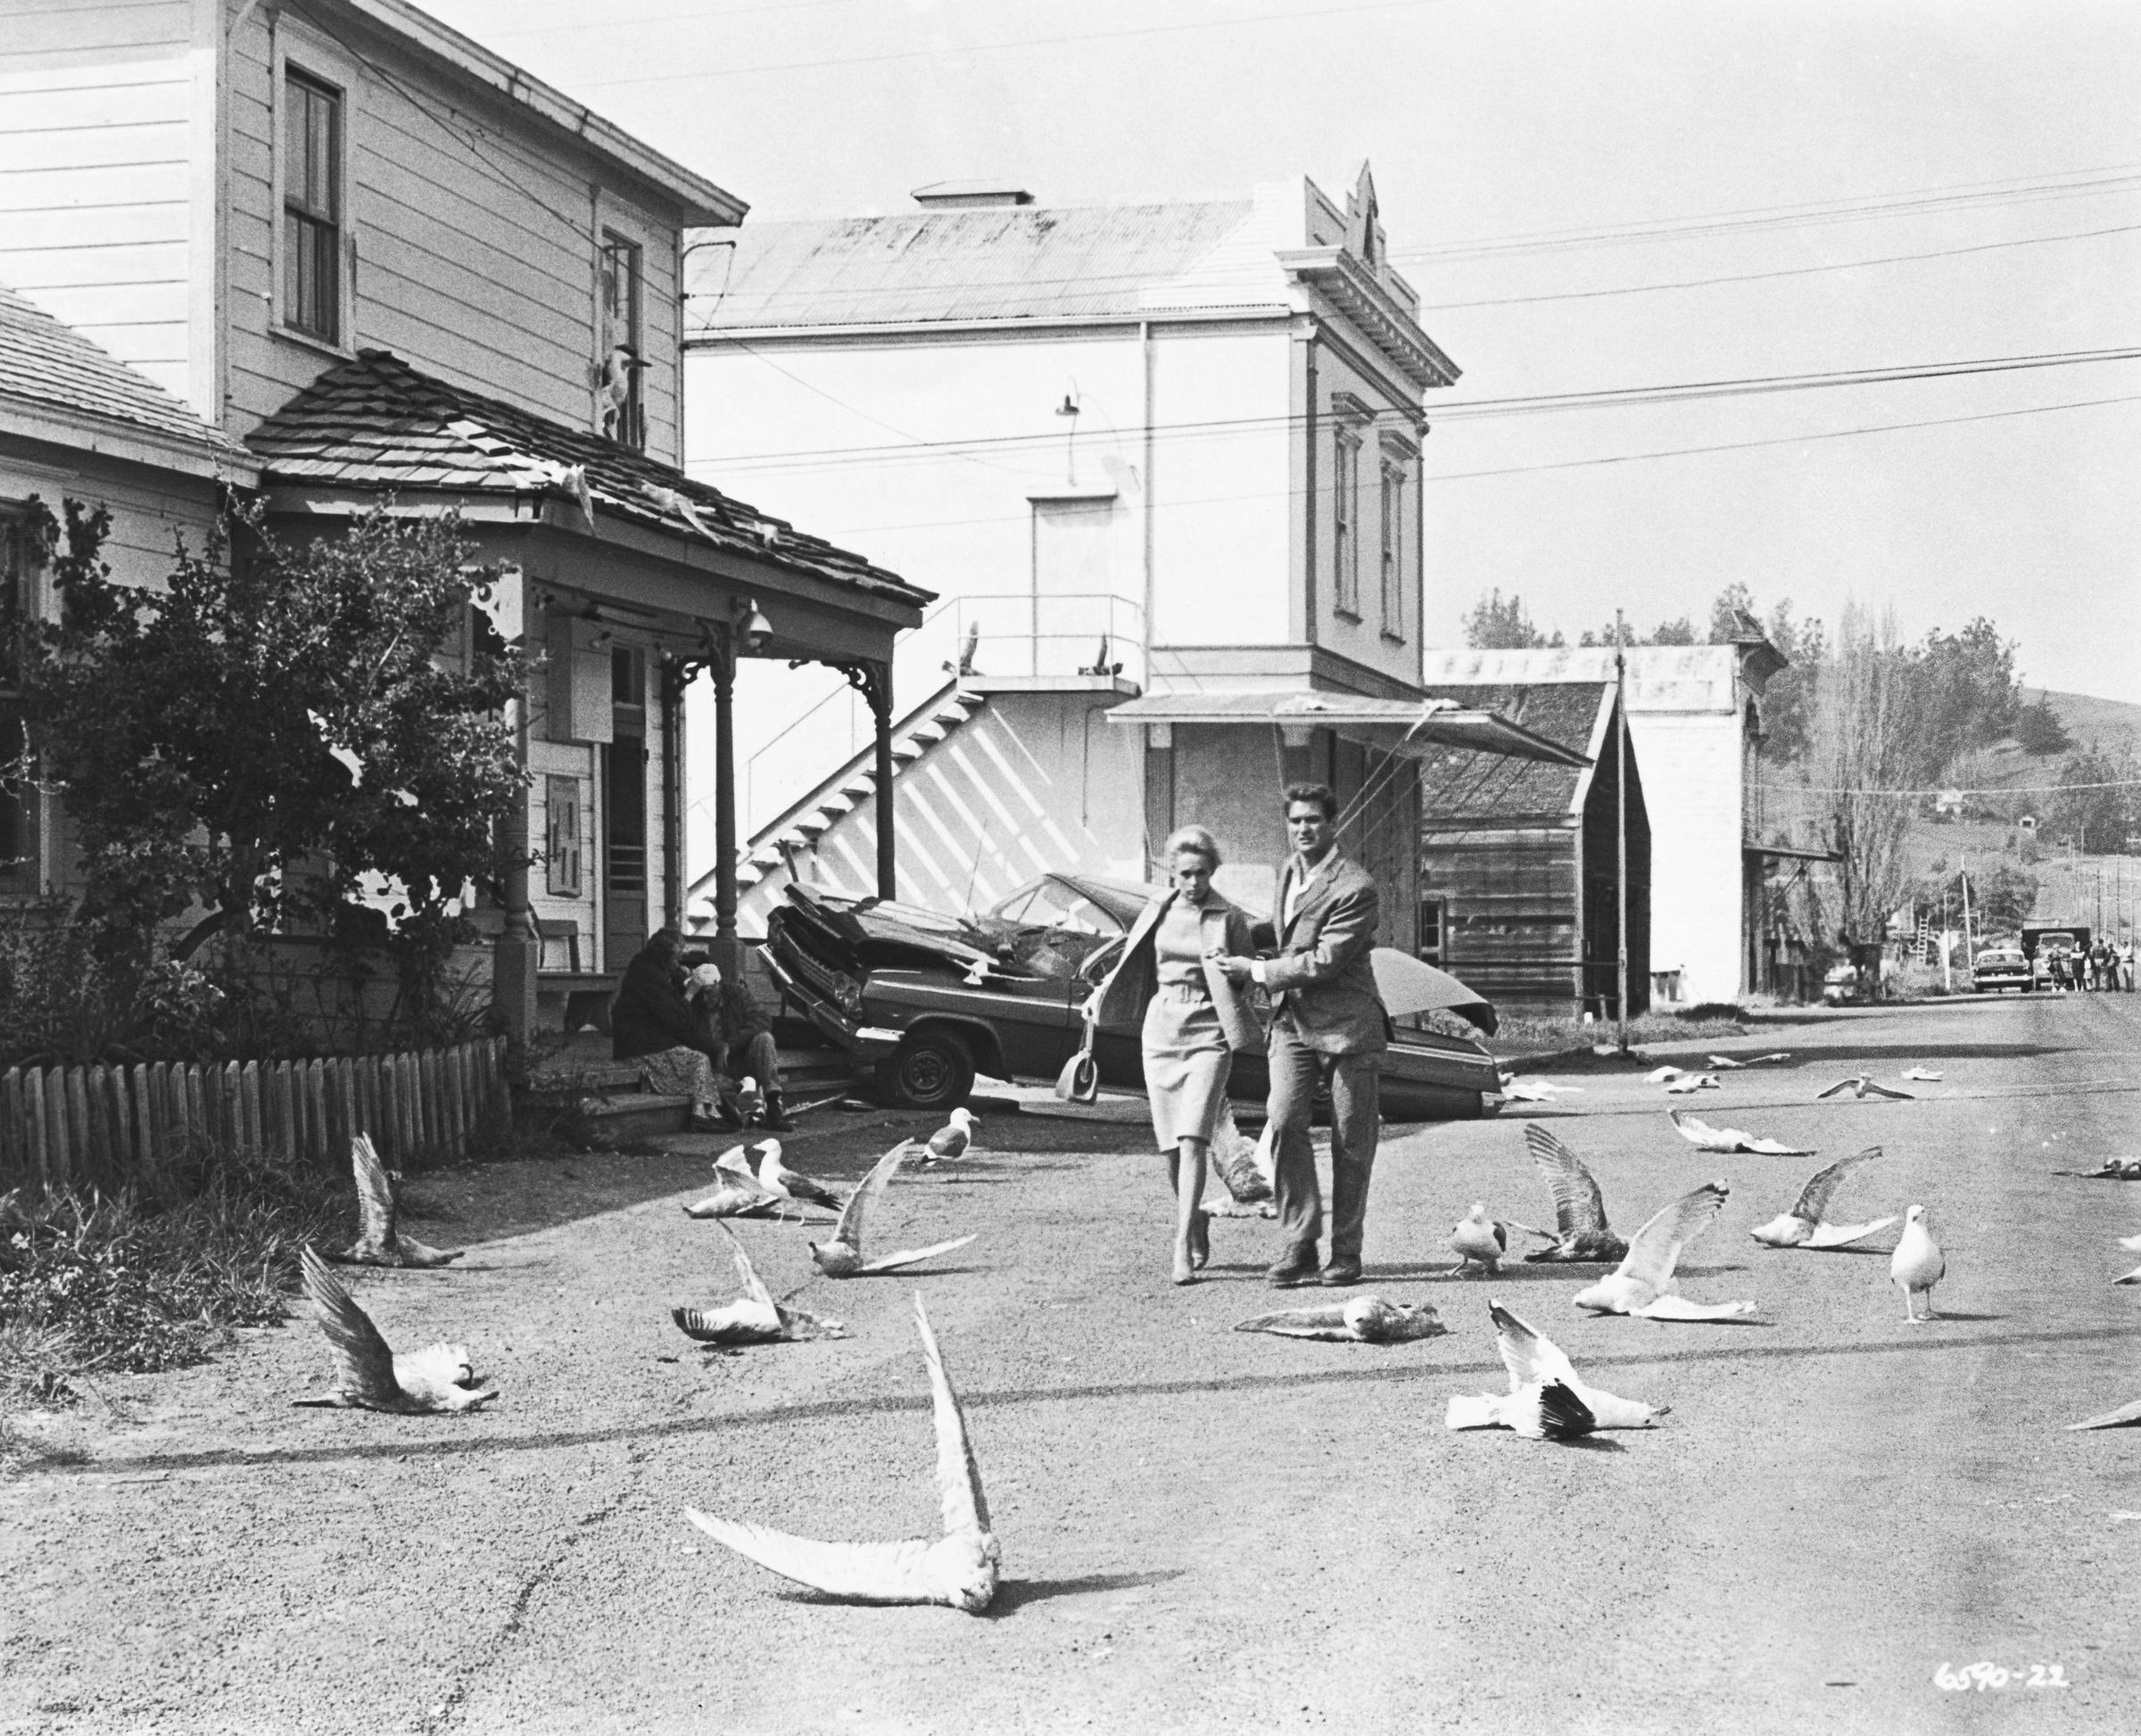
(1969, 951)
(1620, 782)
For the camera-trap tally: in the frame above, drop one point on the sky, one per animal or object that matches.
(1802, 148)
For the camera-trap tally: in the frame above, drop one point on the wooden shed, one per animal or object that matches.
(1519, 863)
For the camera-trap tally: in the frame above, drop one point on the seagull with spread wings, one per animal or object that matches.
(2126, 1416)
(842, 1256)
(438, 1377)
(1728, 1062)
(1807, 1225)
(958, 1568)
(1724, 1141)
(1580, 1231)
(379, 1240)
(1861, 1087)
(1642, 1286)
(741, 1194)
(1536, 1367)
(1525, 1090)
(773, 1173)
(754, 1317)
(1357, 1320)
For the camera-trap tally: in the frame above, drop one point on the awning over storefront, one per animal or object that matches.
(1415, 729)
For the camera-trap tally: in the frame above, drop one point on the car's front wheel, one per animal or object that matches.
(932, 1068)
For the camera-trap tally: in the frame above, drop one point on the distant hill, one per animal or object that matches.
(2087, 718)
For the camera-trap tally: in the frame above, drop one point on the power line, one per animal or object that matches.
(993, 47)
(1994, 789)
(690, 15)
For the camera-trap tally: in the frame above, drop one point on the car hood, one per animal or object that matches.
(875, 933)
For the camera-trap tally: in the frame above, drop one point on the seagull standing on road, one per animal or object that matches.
(1807, 1225)
(842, 1256)
(1479, 1243)
(950, 1141)
(438, 1377)
(1643, 1286)
(1916, 1265)
(1861, 1087)
(379, 1241)
(1536, 1365)
(958, 1568)
(775, 1174)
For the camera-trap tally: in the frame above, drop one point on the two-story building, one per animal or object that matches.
(393, 268)
(1160, 464)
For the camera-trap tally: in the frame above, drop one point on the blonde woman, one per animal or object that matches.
(1195, 1022)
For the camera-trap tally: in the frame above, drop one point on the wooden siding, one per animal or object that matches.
(474, 245)
(98, 131)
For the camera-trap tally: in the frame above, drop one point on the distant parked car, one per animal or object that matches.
(925, 1000)
(2000, 967)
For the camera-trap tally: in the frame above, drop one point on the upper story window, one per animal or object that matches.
(1394, 551)
(312, 149)
(620, 398)
(1345, 524)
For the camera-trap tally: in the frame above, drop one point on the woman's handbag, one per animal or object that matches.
(1079, 1081)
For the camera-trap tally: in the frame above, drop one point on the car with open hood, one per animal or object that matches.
(924, 1000)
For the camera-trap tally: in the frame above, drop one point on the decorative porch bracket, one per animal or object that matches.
(874, 681)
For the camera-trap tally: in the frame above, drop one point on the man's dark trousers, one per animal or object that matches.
(1356, 1081)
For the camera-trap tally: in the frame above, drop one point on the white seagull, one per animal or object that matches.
(379, 1241)
(1680, 1087)
(1643, 1286)
(754, 1317)
(1917, 1265)
(1924, 1074)
(775, 1174)
(2124, 1417)
(1536, 1366)
(1664, 1075)
(1525, 1090)
(438, 1377)
(958, 1568)
(1581, 1233)
(950, 1141)
(1861, 1087)
(1359, 1319)
(1704, 1137)
(1479, 1242)
(1807, 1225)
(1730, 1061)
(842, 1256)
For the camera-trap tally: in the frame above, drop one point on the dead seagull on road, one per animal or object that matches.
(1643, 1284)
(1665, 1075)
(959, 1569)
(1861, 1087)
(379, 1241)
(1807, 1225)
(1536, 1090)
(1537, 1369)
(842, 1256)
(1923, 1075)
(1581, 1233)
(438, 1377)
(2124, 1417)
(2112, 1168)
(1691, 1082)
(1730, 1061)
(754, 1317)
(775, 1174)
(1917, 1265)
(1704, 1137)
(1357, 1320)
(1479, 1243)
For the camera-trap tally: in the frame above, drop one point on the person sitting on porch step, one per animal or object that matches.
(653, 1023)
(741, 1039)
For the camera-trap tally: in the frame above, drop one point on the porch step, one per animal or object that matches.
(642, 1115)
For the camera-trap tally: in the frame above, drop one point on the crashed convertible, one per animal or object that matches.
(925, 1001)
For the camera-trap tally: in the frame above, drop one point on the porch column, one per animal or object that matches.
(880, 691)
(727, 952)
(514, 954)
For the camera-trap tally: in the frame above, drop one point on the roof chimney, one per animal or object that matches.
(970, 195)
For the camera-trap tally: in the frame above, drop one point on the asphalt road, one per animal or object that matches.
(1202, 1530)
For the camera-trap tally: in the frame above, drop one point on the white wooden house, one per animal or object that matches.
(390, 264)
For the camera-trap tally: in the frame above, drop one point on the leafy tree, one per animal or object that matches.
(1496, 625)
(2002, 895)
(2039, 729)
(279, 726)
(2098, 819)
(1972, 699)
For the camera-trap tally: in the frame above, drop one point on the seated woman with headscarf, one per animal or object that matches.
(652, 1022)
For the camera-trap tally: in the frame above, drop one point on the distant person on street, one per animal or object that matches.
(740, 1037)
(2125, 964)
(1327, 1021)
(2103, 966)
(652, 1022)
(1196, 1020)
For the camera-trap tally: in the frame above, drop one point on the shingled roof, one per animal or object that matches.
(1463, 791)
(375, 424)
(46, 362)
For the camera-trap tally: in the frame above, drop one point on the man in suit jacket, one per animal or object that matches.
(1328, 1017)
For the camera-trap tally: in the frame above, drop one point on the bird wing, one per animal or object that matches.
(1815, 1198)
(737, 1323)
(1760, 1060)
(375, 1196)
(1842, 1085)
(2124, 1417)
(1528, 1355)
(949, 1142)
(1923, 1073)
(1841, 1236)
(893, 1262)
(1772, 1148)
(1679, 1308)
(1655, 1249)
(1562, 1415)
(1577, 1202)
(871, 1573)
(1328, 1321)
(733, 1162)
(367, 1365)
(1724, 1061)
(1695, 1130)
(958, 1476)
(747, 1277)
(1884, 1091)
(858, 1210)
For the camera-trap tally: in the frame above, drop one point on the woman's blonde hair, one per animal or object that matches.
(1195, 839)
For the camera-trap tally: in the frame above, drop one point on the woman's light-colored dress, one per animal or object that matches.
(1186, 1059)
